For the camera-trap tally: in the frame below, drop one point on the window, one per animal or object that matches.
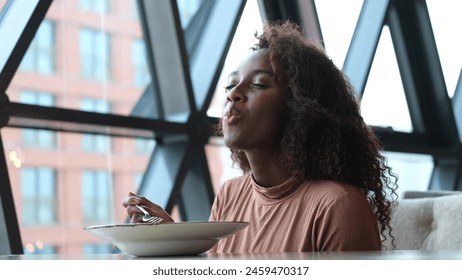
(385, 94)
(38, 248)
(95, 105)
(446, 22)
(90, 142)
(99, 6)
(95, 54)
(99, 249)
(38, 187)
(144, 146)
(40, 55)
(138, 179)
(97, 196)
(141, 75)
(135, 10)
(187, 10)
(37, 138)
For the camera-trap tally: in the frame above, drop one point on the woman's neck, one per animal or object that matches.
(267, 169)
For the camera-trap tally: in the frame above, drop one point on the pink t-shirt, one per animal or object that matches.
(295, 217)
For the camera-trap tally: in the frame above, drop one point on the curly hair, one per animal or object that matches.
(325, 136)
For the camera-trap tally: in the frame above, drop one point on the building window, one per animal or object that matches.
(38, 138)
(141, 76)
(144, 146)
(99, 249)
(38, 186)
(39, 249)
(99, 6)
(40, 57)
(135, 10)
(187, 10)
(95, 53)
(90, 142)
(138, 179)
(97, 196)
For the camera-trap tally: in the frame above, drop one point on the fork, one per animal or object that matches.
(148, 218)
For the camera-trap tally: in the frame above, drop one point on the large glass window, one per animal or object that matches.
(40, 56)
(91, 56)
(97, 196)
(38, 138)
(95, 54)
(38, 186)
(106, 39)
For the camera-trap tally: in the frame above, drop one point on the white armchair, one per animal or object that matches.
(427, 221)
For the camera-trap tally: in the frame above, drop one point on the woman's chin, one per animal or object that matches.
(232, 142)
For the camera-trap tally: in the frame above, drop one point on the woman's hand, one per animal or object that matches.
(135, 214)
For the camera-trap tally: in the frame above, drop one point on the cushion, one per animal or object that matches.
(427, 223)
(423, 194)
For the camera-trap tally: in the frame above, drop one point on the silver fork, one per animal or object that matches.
(148, 218)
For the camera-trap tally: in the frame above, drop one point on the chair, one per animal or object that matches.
(425, 194)
(427, 221)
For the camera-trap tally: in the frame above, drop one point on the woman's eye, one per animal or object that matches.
(229, 87)
(259, 86)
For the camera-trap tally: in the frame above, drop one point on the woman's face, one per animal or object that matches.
(253, 115)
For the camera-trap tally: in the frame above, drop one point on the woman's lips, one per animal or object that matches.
(231, 119)
(231, 116)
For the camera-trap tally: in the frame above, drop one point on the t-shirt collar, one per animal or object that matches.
(277, 193)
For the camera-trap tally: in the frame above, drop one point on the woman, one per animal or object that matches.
(314, 178)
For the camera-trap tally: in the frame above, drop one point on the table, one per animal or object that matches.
(421, 265)
(382, 255)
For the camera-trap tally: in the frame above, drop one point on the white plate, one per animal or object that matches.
(183, 238)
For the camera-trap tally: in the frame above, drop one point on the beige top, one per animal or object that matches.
(295, 217)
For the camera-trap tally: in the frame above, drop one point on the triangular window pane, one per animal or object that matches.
(338, 20)
(384, 103)
(446, 23)
(187, 10)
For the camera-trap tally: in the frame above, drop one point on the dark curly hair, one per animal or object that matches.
(325, 136)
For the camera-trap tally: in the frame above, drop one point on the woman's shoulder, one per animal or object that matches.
(236, 184)
(244, 179)
(332, 186)
(330, 191)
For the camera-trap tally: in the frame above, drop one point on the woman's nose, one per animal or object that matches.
(235, 95)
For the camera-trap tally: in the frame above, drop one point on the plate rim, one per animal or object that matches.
(111, 233)
(91, 227)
